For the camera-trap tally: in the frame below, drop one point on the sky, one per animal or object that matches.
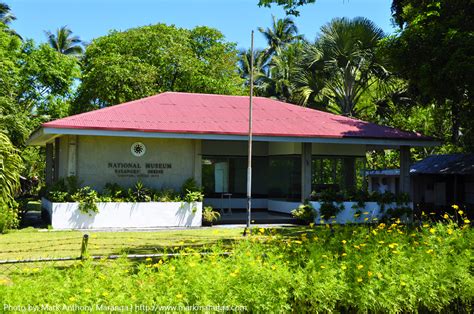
(234, 18)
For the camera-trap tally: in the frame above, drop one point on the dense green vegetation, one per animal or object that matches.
(388, 268)
(351, 67)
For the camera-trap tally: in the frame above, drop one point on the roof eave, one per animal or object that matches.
(46, 134)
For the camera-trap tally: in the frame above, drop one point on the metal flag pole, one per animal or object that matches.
(249, 167)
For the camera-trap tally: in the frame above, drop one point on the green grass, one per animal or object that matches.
(32, 243)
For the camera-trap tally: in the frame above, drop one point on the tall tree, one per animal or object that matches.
(6, 16)
(260, 68)
(63, 41)
(434, 51)
(281, 33)
(139, 62)
(345, 55)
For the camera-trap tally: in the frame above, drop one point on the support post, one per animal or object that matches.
(85, 242)
(306, 170)
(49, 164)
(349, 173)
(56, 160)
(405, 186)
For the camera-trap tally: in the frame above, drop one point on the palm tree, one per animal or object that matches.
(345, 57)
(63, 42)
(6, 17)
(260, 66)
(282, 32)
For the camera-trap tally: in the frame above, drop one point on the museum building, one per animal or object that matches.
(163, 140)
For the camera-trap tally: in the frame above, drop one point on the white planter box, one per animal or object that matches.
(345, 216)
(124, 215)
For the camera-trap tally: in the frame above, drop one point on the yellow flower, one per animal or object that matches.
(432, 230)
(274, 267)
(450, 231)
(343, 254)
(344, 241)
(392, 245)
(446, 216)
(360, 266)
(322, 267)
(381, 242)
(423, 213)
(105, 293)
(430, 251)
(148, 259)
(179, 296)
(261, 230)
(402, 283)
(374, 232)
(298, 242)
(398, 221)
(467, 221)
(460, 212)
(343, 267)
(311, 224)
(359, 280)
(455, 206)
(369, 273)
(379, 275)
(365, 219)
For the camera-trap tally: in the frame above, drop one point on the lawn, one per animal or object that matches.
(381, 268)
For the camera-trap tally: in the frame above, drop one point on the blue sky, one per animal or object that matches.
(234, 18)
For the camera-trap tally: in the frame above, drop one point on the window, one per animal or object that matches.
(229, 175)
(285, 178)
(338, 173)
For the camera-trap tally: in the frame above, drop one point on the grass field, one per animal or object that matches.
(380, 268)
(32, 243)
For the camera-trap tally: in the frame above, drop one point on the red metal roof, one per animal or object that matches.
(173, 112)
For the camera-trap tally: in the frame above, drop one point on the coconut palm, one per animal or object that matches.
(345, 57)
(64, 42)
(260, 66)
(6, 17)
(282, 32)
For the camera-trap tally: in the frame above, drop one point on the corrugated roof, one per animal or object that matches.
(173, 112)
(445, 164)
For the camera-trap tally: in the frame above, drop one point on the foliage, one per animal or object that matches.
(63, 41)
(8, 217)
(6, 16)
(10, 167)
(437, 35)
(330, 209)
(139, 193)
(139, 62)
(282, 33)
(305, 212)
(87, 199)
(345, 56)
(290, 6)
(209, 215)
(387, 269)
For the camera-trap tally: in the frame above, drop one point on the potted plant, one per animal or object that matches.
(209, 216)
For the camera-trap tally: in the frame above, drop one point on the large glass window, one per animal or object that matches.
(229, 175)
(285, 178)
(338, 173)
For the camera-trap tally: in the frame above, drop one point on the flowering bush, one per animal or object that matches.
(386, 268)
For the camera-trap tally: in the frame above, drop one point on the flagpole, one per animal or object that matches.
(249, 167)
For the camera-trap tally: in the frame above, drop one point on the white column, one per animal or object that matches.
(49, 164)
(405, 170)
(72, 156)
(197, 171)
(306, 171)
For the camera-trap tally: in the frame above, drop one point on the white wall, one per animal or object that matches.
(125, 215)
(94, 154)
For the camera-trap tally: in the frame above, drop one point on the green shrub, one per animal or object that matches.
(8, 217)
(329, 209)
(87, 199)
(305, 212)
